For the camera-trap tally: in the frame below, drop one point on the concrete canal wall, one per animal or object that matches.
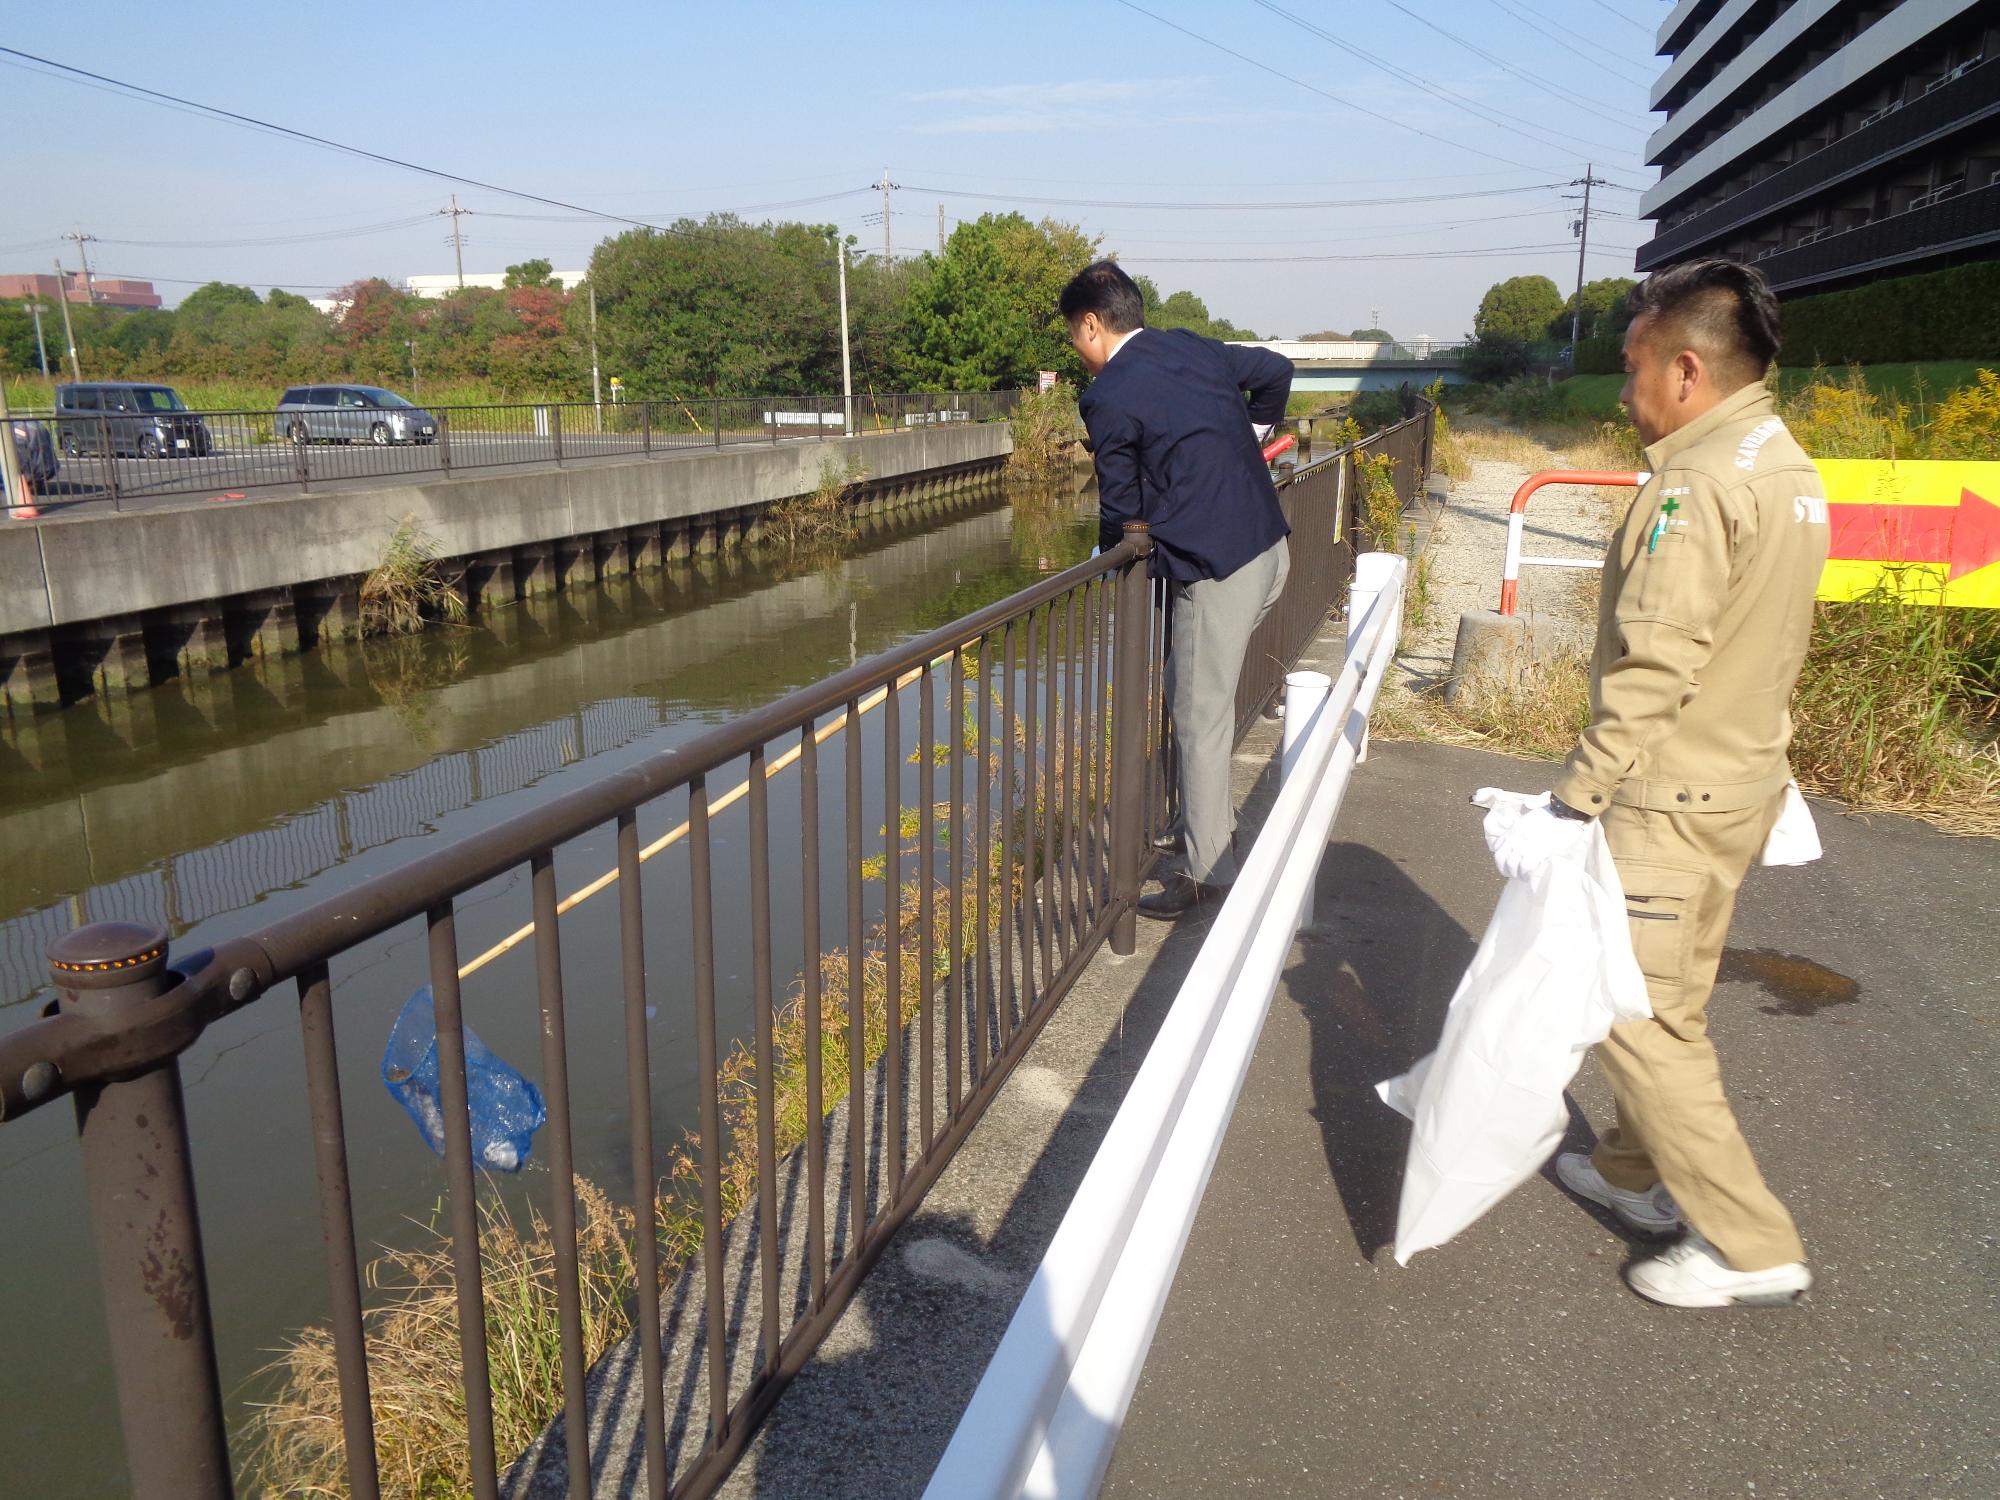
(110, 603)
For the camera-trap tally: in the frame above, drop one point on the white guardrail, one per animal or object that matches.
(1047, 1412)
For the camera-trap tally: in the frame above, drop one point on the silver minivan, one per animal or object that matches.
(352, 414)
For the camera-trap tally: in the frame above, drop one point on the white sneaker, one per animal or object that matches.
(1693, 1274)
(1652, 1212)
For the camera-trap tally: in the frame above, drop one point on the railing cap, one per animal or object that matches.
(104, 955)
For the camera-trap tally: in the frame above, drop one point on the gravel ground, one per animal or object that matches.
(1468, 543)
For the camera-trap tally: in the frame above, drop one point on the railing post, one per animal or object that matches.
(646, 426)
(140, 1181)
(1129, 709)
(555, 429)
(110, 456)
(716, 426)
(444, 441)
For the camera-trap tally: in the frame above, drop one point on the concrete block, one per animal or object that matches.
(264, 623)
(28, 671)
(24, 592)
(489, 581)
(678, 541)
(611, 555)
(643, 545)
(1491, 648)
(329, 609)
(535, 569)
(573, 562)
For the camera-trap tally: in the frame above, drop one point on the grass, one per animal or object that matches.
(1046, 428)
(31, 392)
(1595, 397)
(821, 519)
(408, 587)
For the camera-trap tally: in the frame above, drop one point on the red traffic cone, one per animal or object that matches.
(25, 509)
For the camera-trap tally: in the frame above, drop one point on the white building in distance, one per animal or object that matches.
(445, 285)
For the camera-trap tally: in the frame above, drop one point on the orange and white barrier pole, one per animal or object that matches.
(1510, 570)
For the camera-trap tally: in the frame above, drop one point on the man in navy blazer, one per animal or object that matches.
(1176, 448)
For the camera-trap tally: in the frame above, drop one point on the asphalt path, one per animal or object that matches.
(1856, 1021)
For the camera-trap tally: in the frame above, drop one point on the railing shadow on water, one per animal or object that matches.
(1007, 836)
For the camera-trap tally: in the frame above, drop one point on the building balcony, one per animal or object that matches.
(1939, 226)
(1950, 106)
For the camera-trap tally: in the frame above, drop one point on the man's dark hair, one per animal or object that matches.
(1103, 288)
(1721, 309)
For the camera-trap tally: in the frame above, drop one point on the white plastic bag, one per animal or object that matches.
(1794, 839)
(1553, 974)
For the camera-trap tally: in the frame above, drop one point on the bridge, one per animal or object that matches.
(1349, 365)
(863, 1248)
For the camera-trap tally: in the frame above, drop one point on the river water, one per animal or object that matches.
(218, 807)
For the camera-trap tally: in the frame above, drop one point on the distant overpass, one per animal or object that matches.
(1361, 365)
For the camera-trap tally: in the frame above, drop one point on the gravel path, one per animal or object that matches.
(1467, 545)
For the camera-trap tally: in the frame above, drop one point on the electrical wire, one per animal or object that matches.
(1197, 205)
(1470, 253)
(1314, 89)
(311, 238)
(1581, 101)
(251, 122)
(1607, 5)
(1526, 18)
(1437, 91)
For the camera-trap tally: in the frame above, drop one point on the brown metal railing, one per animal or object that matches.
(118, 456)
(1038, 719)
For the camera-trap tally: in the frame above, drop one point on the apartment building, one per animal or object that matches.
(1830, 142)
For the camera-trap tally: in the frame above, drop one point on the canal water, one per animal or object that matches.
(216, 808)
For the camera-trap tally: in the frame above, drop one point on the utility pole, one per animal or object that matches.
(596, 396)
(846, 358)
(41, 349)
(940, 229)
(1581, 229)
(888, 240)
(69, 331)
(83, 255)
(412, 343)
(457, 239)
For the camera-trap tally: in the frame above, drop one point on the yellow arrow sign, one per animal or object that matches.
(1927, 531)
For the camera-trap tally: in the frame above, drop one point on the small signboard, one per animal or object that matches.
(1048, 380)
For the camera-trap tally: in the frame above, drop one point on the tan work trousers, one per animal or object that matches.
(1681, 872)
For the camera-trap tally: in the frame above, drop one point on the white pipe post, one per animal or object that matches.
(1372, 571)
(1305, 696)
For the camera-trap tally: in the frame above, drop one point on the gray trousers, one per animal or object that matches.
(1212, 621)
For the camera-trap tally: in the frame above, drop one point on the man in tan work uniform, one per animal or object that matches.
(1702, 625)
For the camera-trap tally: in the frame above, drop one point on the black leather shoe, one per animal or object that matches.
(1171, 843)
(1180, 894)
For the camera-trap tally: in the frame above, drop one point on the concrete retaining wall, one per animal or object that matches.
(106, 602)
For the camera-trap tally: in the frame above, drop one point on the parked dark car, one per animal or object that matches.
(35, 452)
(352, 414)
(128, 417)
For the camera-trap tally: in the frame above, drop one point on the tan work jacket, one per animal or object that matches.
(1703, 620)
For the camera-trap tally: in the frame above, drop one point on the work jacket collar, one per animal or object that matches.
(1752, 401)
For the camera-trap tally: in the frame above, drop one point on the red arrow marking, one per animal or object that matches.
(1966, 536)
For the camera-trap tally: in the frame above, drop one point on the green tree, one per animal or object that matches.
(984, 317)
(1371, 335)
(1604, 310)
(719, 308)
(530, 273)
(1517, 308)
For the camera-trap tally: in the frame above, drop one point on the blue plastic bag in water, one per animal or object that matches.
(506, 1109)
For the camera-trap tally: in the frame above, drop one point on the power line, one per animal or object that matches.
(1607, 5)
(310, 238)
(1197, 205)
(251, 122)
(1313, 89)
(1437, 91)
(1582, 102)
(1525, 17)
(1476, 253)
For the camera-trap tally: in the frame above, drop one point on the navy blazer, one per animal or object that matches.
(1172, 439)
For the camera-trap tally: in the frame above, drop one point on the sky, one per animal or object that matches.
(1299, 166)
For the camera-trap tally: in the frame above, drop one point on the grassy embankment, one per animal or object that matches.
(1898, 705)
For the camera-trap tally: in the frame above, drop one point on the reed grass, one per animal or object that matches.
(409, 587)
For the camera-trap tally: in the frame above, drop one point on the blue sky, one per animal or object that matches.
(656, 111)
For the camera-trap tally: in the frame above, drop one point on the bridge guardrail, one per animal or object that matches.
(219, 454)
(1051, 752)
